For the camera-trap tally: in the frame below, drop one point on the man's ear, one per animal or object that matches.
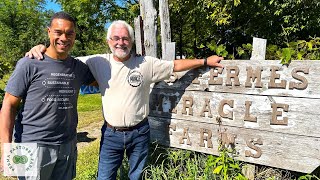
(48, 30)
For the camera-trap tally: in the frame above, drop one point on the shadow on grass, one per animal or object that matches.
(83, 137)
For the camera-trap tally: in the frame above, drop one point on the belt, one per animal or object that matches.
(121, 129)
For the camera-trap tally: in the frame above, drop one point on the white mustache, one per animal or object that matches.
(121, 47)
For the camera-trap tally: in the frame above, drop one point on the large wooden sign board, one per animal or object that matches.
(269, 112)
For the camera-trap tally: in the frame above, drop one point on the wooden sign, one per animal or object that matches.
(268, 112)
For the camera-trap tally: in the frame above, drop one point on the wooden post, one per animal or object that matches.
(259, 49)
(165, 25)
(170, 51)
(142, 8)
(138, 33)
(150, 28)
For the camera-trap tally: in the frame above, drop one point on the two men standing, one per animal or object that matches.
(124, 80)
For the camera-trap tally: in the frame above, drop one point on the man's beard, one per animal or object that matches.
(121, 54)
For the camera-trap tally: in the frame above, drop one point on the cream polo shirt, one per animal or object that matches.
(125, 86)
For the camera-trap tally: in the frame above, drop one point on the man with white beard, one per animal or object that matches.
(124, 81)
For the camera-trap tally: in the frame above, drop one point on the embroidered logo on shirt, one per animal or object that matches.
(135, 78)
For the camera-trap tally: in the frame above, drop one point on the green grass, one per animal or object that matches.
(87, 163)
(89, 102)
(89, 109)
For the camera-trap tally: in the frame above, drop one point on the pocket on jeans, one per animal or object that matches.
(108, 132)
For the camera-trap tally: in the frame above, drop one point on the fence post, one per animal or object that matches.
(165, 26)
(259, 49)
(150, 28)
(138, 33)
(170, 49)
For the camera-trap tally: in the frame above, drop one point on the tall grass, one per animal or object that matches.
(171, 163)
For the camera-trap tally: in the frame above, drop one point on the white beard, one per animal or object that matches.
(121, 53)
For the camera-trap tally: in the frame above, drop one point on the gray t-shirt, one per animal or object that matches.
(125, 86)
(49, 91)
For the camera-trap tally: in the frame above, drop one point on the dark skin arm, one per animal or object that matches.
(7, 116)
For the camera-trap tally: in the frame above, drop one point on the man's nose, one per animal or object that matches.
(63, 36)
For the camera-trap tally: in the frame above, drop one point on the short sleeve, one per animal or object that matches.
(20, 79)
(161, 69)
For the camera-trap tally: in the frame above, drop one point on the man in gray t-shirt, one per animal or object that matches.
(48, 90)
(49, 111)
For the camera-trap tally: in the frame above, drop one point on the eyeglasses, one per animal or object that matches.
(117, 38)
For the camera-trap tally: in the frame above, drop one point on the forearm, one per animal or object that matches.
(7, 117)
(186, 64)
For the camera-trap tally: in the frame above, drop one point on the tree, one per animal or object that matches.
(91, 18)
(231, 23)
(22, 25)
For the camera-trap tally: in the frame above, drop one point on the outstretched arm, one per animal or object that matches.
(186, 64)
(7, 116)
(36, 52)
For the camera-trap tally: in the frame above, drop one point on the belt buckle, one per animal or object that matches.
(122, 129)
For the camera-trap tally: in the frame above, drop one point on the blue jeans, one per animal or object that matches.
(114, 144)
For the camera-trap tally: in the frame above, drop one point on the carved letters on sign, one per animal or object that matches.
(232, 74)
(251, 143)
(204, 137)
(257, 102)
(226, 140)
(185, 136)
(188, 102)
(248, 116)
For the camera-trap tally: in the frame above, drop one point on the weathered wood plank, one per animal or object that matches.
(259, 47)
(292, 152)
(170, 51)
(205, 77)
(282, 115)
(138, 33)
(301, 115)
(150, 28)
(165, 26)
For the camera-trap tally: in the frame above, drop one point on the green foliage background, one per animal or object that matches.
(199, 27)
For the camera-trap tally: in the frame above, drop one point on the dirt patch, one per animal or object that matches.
(88, 134)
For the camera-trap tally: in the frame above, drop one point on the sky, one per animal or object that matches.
(56, 7)
(53, 6)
